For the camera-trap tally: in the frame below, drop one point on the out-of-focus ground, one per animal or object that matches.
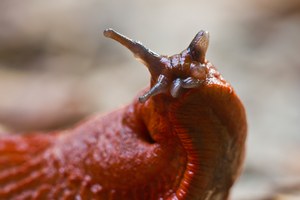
(56, 68)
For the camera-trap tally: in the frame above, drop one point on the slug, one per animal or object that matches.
(183, 138)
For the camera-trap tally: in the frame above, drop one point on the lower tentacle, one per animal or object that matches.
(158, 88)
(175, 87)
(191, 82)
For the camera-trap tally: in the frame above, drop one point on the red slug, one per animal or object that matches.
(184, 138)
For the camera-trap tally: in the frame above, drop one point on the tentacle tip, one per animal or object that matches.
(142, 99)
(199, 45)
(176, 88)
(203, 33)
(108, 32)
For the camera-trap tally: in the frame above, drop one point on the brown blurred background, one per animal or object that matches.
(56, 68)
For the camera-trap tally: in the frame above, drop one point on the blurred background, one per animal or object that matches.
(57, 68)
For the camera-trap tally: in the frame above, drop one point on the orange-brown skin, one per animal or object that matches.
(182, 143)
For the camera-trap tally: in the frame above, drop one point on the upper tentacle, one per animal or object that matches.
(199, 45)
(145, 55)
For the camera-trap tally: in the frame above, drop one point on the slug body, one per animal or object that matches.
(184, 138)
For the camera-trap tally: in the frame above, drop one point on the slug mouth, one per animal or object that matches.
(170, 75)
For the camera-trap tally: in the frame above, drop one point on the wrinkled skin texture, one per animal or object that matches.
(189, 147)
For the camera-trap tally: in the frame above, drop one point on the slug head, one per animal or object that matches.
(170, 75)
